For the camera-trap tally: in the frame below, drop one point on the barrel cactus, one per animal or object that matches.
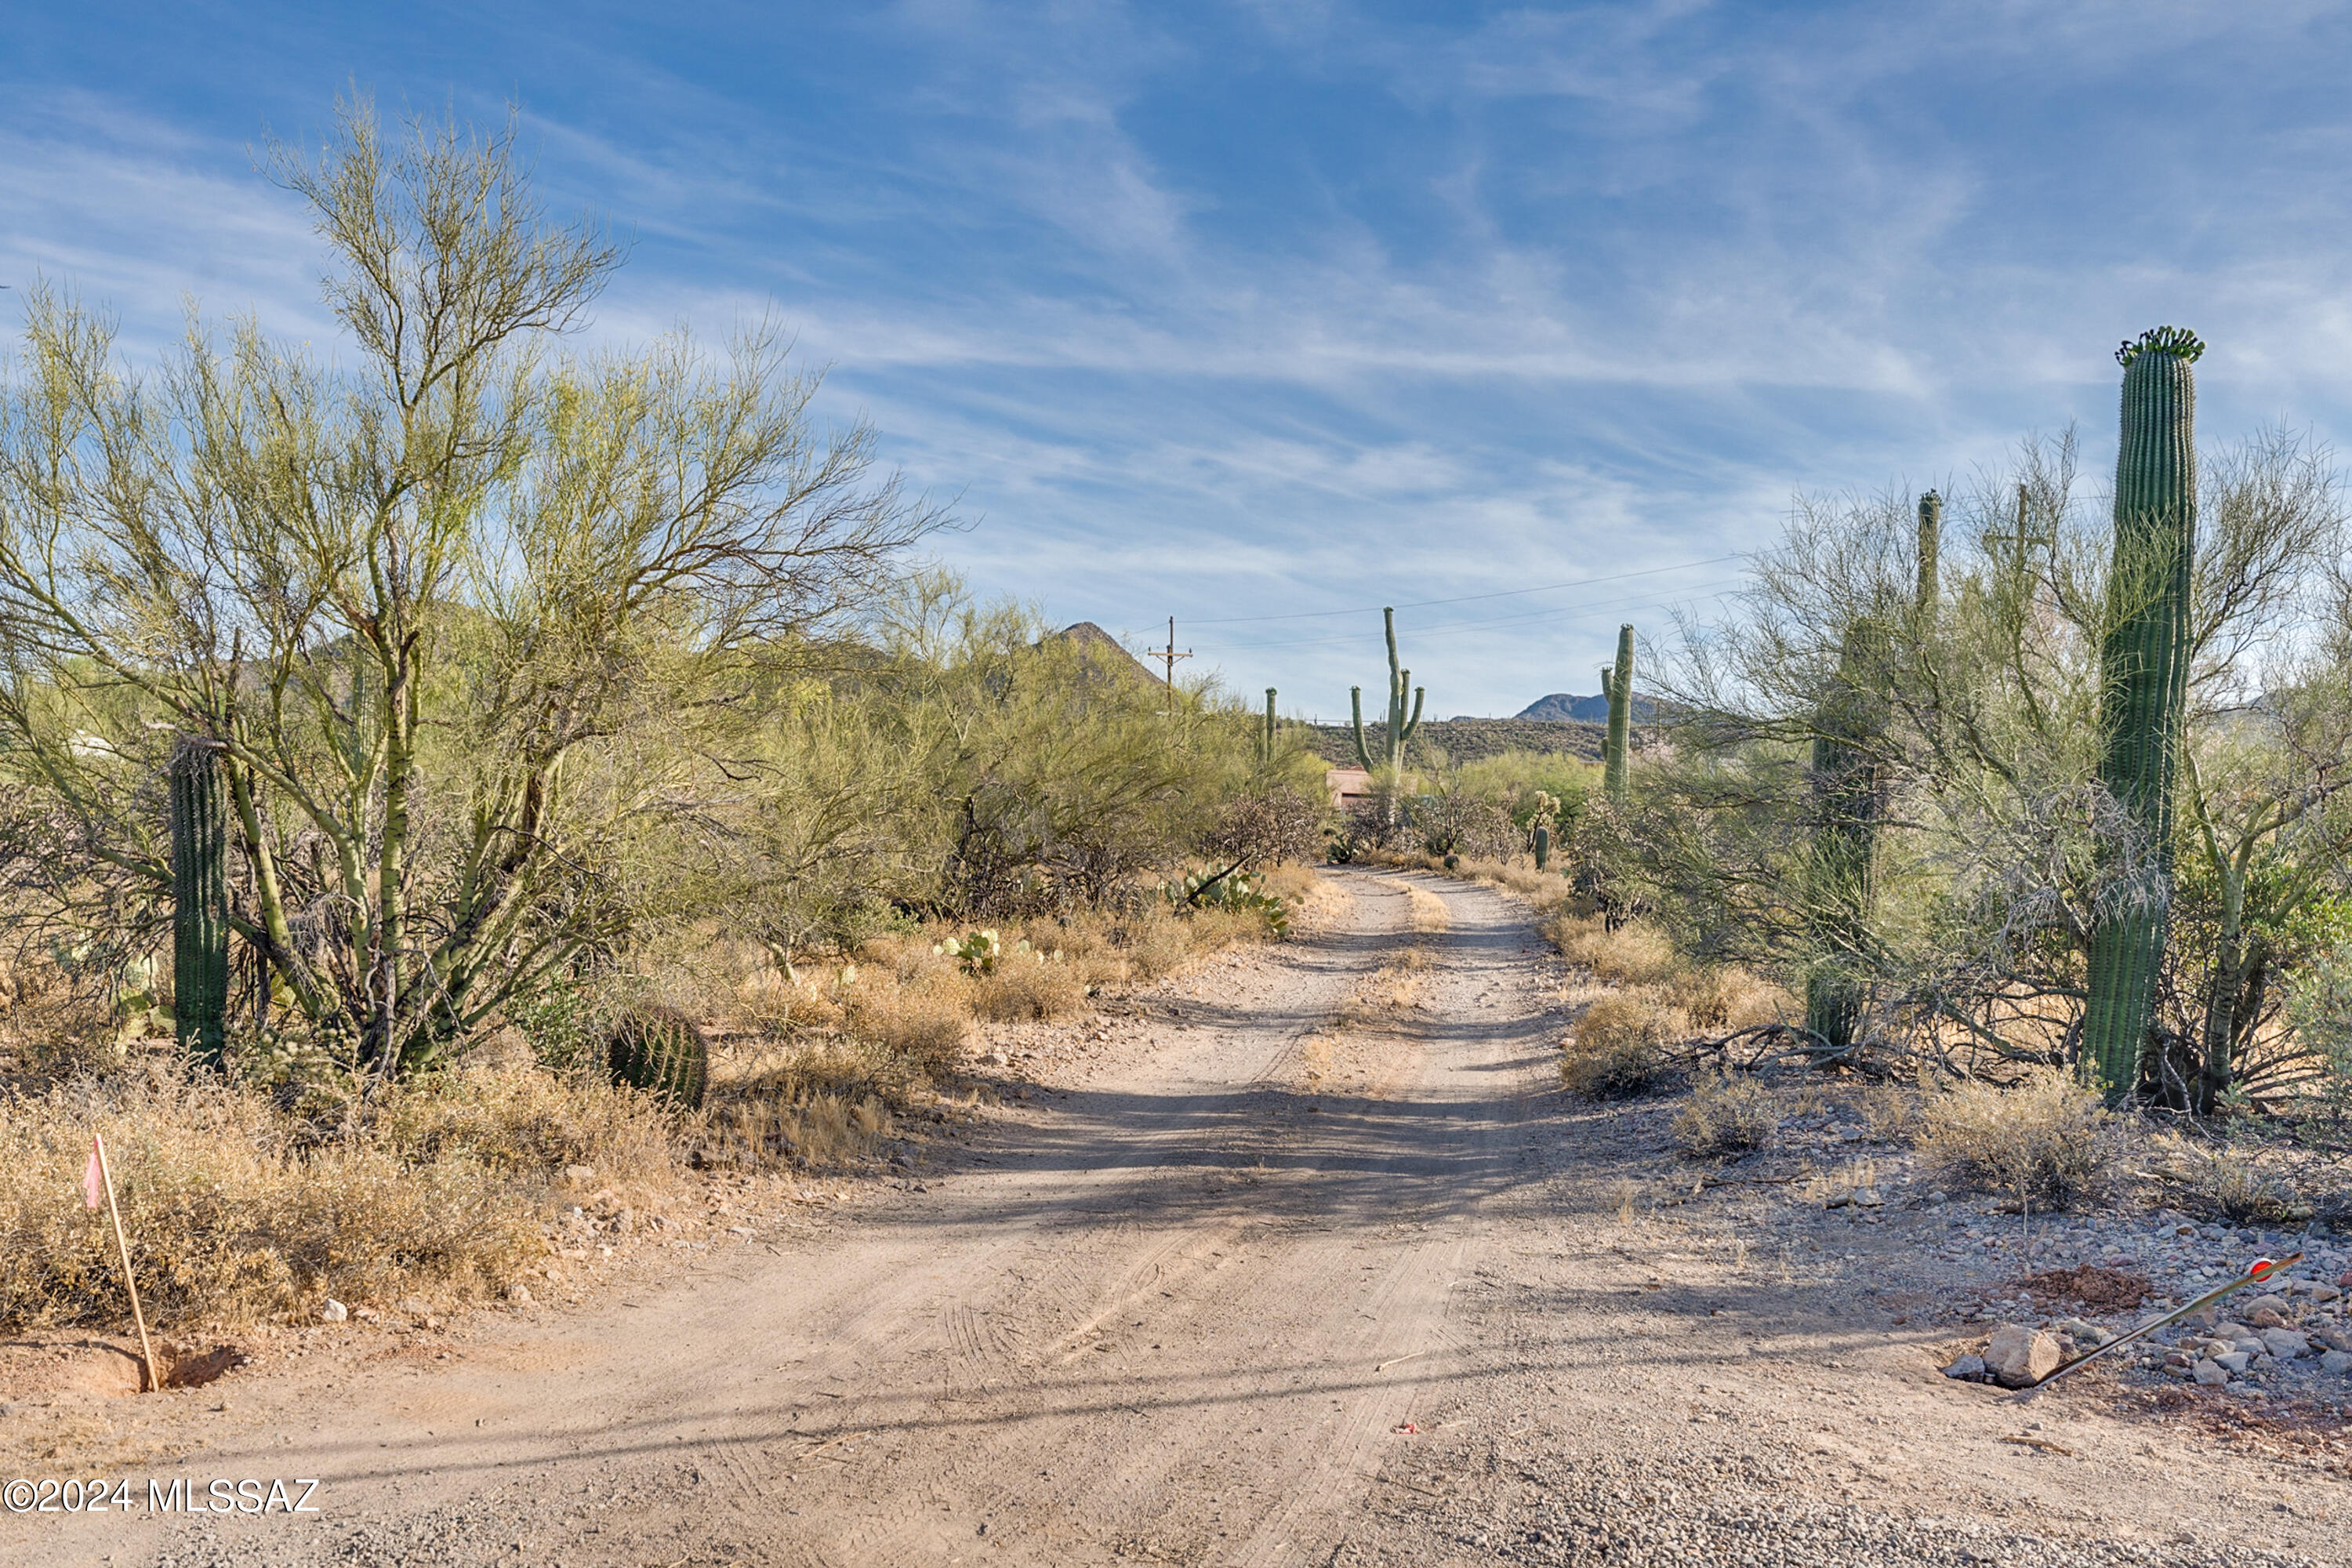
(660, 1051)
(199, 823)
(2143, 692)
(1620, 718)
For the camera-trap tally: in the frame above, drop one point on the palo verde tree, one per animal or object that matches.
(463, 618)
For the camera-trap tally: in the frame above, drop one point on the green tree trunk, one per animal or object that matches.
(2144, 694)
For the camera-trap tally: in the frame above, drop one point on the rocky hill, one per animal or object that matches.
(1561, 707)
(1466, 739)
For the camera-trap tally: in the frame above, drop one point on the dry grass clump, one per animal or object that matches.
(1618, 1043)
(923, 1020)
(2046, 1138)
(2226, 1183)
(1723, 997)
(1632, 954)
(1030, 987)
(812, 1106)
(513, 1119)
(1425, 911)
(1726, 1115)
(439, 1191)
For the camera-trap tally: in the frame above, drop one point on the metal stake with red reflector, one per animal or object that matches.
(2259, 1270)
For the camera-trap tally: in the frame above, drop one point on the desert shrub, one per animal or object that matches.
(515, 1119)
(1726, 1115)
(1265, 827)
(1617, 1047)
(2225, 1182)
(812, 1108)
(2046, 1138)
(923, 1019)
(1462, 823)
(1539, 888)
(1039, 986)
(1632, 954)
(1722, 997)
(231, 1217)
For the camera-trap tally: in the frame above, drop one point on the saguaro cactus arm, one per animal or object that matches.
(1356, 719)
(1615, 778)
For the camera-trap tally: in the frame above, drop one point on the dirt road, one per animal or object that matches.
(1308, 1263)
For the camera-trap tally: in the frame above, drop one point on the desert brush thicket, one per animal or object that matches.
(1997, 783)
(436, 765)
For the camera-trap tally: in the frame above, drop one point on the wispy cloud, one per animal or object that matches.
(1246, 309)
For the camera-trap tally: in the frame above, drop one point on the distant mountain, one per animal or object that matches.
(1103, 651)
(1560, 707)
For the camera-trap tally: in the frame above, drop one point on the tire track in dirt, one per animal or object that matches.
(1152, 1324)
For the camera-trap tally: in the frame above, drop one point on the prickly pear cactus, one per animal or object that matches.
(661, 1052)
(199, 902)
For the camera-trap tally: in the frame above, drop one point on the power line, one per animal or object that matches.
(1701, 591)
(1469, 598)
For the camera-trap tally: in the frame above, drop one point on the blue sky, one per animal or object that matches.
(1237, 310)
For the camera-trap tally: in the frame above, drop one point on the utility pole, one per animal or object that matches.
(1169, 655)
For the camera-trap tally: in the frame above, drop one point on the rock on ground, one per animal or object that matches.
(2019, 1357)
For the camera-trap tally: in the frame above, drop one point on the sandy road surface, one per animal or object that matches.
(1179, 1313)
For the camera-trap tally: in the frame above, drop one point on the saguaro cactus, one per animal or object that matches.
(1620, 718)
(1848, 795)
(199, 813)
(1265, 737)
(1400, 727)
(1931, 523)
(2143, 692)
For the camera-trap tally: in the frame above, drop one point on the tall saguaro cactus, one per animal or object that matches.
(2143, 692)
(1400, 727)
(199, 822)
(1620, 719)
(1265, 736)
(1848, 795)
(1931, 527)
